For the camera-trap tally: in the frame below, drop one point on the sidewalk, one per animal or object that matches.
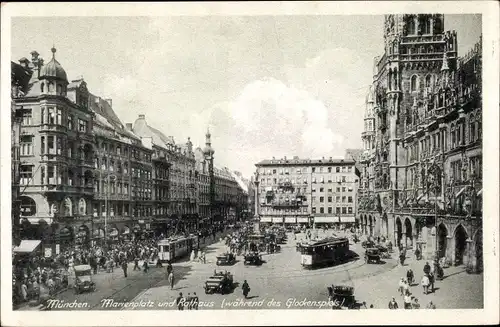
(458, 290)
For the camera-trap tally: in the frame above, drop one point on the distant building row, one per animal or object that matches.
(78, 170)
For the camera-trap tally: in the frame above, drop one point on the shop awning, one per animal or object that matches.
(347, 219)
(302, 220)
(290, 220)
(326, 219)
(27, 246)
(278, 220)
(265, 219)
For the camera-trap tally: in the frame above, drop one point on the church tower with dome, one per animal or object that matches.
(208, 153)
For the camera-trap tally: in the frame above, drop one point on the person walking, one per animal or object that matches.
(169, 268)
(407, 300)
(180, 302)
(431, 281)
(401, 286)
(393, 304)
(410, 276)
(427, 268)
(136, 263)
(415, 304)
(124, 267)
(425, 284)
(171, 280)
(146, 265)
(431, 305)
(195, 301)
(246, 289)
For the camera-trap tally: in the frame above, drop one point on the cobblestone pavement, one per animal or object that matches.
(282, 279)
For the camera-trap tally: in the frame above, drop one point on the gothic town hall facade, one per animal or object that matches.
(421, 179)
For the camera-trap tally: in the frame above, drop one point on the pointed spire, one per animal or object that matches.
(445, 63)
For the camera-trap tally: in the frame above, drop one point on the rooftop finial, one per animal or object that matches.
(53, 50)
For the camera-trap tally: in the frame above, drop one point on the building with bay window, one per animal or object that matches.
(306, 191)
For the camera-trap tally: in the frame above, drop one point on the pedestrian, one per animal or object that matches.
(169, 268)
(246, 289)
(427, 268)
(410, 276)
(415, 304)
(393, 304)
(191, 257)
(180, 302)
(124, 267)
(195, 301)
(431, 305)
(171, 280)
(431, 281)
(425, 284)
(189, 301)
(145, 265)
(401, 286)
(407, 300)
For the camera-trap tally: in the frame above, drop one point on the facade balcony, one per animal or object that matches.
(367, 133)
(413, 39)
(53, 128)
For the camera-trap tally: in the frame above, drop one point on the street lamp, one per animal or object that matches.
(106, 195)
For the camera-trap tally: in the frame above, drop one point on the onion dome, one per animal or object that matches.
(53, 69)
(208, 150)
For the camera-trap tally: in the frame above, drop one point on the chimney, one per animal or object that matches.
(110, 101)
(142, 116)
(284, 158)
(129, 126)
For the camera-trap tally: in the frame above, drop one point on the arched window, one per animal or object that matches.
(413, 83)
(82, 207)
(459, 134)
(452, 129)
(472, 128)
(68, 207)
(426, 28)
(428, 81)
(411, 26)
(479, 127)
(28, 206)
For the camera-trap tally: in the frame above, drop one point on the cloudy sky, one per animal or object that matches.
(266, 85)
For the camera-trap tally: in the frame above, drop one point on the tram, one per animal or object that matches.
(323, 252)
(172, 249)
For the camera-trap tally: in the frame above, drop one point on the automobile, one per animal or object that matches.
(342, 296)
(253, 258)
(372, 255)
(225, 259)
(221, 282)
(83, 279)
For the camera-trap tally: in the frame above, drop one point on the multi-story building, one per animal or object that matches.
(305, 191)
(421, 180)
(175, 184)
(229, 197)
(122, 187)
(56, 156)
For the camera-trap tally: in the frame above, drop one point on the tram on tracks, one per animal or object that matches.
(172, 249)
(323, 252)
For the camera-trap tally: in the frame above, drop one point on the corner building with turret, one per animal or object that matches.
(421, 178)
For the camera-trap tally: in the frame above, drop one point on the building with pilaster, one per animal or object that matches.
(421, 177)
(305, 191)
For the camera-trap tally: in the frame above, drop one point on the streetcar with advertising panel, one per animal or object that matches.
(323, 252)
(172, 249)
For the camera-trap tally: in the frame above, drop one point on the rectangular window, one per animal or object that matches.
(59, 146)
(349, 209)
(337, 210)
(330, 199)
(337, 199)
(59, 116)
(343, 179)
(321, 210)
(338, 189)
(298, 171)
(70, 122)
(313, 209)
(349, 199)
(42, 121)
(52, 116)
(51, 174)
(330, 210)
(343, 189)
(51, 145)
(82, 125)
(27, 117)
(26, 145)
(25, 174)
(321, 189)
(337, 169)
(344, 210)
(321, 199)
(313, 169)
(349, 169)
(329, 169)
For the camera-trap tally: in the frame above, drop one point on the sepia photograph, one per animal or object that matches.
(219, 160)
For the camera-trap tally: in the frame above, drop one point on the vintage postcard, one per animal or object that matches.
(275, 163)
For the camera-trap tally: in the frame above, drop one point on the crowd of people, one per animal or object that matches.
(36, 278)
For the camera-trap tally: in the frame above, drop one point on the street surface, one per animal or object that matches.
(279, 283)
